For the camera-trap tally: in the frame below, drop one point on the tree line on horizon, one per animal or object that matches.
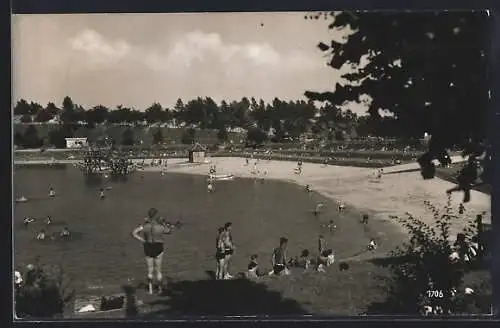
(277, 121)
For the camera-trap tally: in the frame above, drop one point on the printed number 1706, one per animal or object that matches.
(435, 293)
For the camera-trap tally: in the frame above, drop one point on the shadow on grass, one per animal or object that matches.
(213, 297)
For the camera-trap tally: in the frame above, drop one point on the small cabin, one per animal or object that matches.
(76, 142)
(197, 154)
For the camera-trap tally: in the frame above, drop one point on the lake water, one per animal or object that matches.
(104, 252)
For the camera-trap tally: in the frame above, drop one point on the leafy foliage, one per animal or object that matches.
(128, 138)
(188, 137)
(429, 69)
(157, 137)
(31, 138)
(58, 136)
(44, 292)
(424, 264)
(256, 136)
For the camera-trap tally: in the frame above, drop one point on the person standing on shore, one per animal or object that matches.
(228, 246)
(219, 255)
(279, 259)
(151, 234)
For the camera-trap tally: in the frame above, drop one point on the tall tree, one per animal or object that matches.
(22, 107)
(35, 108)
(52, 109)
(43, 116)
(31, 138)
(211, 114)
(128, 138)
(429, 69)
(68, 115)
(97, 115)
(154, 113)
(26, 118)
(157, 137)
(57, 137)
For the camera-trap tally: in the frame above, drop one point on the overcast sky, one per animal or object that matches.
(138, 59)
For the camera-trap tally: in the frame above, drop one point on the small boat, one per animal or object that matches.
(221, 177)
(21, 199)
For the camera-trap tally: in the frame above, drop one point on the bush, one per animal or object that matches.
(43, 293)
(128, 137)
(423, 265)
(256, 136)
(31, 138)
(188, 136)
(157, 137)
(57, 137)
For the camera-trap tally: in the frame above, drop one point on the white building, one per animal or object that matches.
(76, 142)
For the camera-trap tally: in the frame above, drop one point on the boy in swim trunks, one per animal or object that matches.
(152, 234)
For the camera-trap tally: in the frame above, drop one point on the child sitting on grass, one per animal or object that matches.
(253, 267)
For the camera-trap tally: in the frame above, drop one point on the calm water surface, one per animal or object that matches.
(104, 251)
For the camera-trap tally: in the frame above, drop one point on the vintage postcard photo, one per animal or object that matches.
(229, 164)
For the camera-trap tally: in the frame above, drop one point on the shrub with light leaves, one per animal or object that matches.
(427, 272)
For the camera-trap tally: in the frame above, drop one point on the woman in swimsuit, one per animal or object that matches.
(151, 234)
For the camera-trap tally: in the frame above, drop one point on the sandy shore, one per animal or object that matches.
(401, 189)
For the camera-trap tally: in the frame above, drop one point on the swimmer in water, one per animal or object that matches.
(65, 234)
(52, 193)
(318, 208)
(372, 245)
(101, 193)
(210, 187)
(48, 220)
(341, 206)
(27, 221)
(331, 226)
(308, 188)
(41, 235)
